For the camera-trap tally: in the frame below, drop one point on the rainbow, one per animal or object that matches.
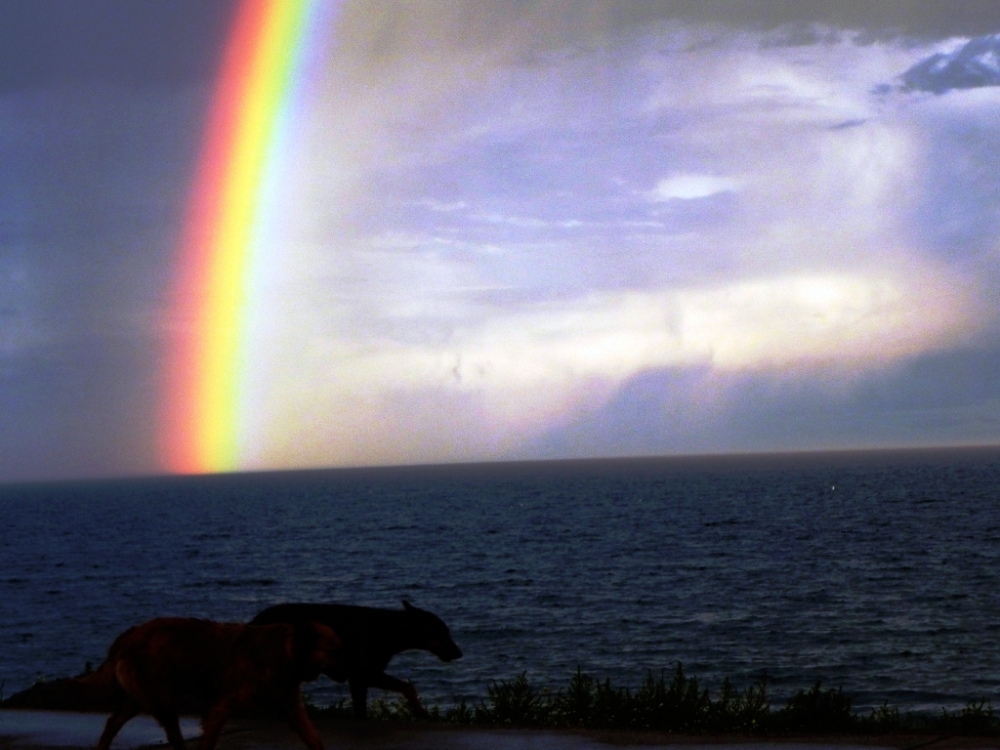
(207, 308)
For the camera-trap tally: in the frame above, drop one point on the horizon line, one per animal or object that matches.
(733, 457)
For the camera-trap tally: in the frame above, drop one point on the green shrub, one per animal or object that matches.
(747, 713)
(977, 718)
(513, 703)
(816, 711)
(460, 714)
(883, 719)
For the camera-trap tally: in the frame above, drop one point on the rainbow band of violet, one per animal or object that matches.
(198, 419)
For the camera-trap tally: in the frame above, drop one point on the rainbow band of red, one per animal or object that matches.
(198, 420)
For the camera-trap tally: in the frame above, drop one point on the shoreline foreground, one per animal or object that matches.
(28, 729)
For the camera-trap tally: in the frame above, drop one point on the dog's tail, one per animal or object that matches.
(96, 690)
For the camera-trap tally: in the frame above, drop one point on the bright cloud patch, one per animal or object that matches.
(850, 321)
(515, 375)
(856, 320)
(692, 186)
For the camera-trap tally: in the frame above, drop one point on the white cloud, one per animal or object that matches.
(441, 206)
(692, 186)
(516, 373)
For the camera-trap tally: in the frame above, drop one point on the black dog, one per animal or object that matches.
(370, 638)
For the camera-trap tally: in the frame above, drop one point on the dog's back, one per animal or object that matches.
(372, 633)
(176, 663)
(188, 664)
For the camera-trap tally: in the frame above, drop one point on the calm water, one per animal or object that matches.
(879, 573)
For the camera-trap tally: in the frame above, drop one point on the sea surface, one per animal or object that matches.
(876, 572)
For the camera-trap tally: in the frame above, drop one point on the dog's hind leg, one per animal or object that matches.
(171, 725)
(125, 711)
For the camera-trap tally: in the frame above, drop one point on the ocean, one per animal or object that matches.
(876, 572)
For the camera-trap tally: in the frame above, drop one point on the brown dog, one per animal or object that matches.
(173, 665)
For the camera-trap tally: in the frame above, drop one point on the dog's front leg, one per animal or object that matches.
(303, 726)
(359, 698)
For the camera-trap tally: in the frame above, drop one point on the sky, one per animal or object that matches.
(512, 230)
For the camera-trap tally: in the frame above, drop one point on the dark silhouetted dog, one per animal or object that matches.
(371, 637)
(170, 666)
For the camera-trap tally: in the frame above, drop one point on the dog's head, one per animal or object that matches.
(432, 634)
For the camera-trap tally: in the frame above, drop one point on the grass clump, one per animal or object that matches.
(514, 703)
(977, 718)
(679, 704)
(816, 711)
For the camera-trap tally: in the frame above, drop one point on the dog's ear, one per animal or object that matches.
(407, 606)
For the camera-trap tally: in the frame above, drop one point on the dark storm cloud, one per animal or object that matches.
(94, 182)
(974, 65)
(84, 408)
(930, 19)
(380, 39)
(102, 106)
(47, 43)
(957, 219)
(936, 399)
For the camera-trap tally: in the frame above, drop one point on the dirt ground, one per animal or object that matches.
(43, 730)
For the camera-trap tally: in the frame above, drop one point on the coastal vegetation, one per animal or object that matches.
(678, 703)
(674, 704)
